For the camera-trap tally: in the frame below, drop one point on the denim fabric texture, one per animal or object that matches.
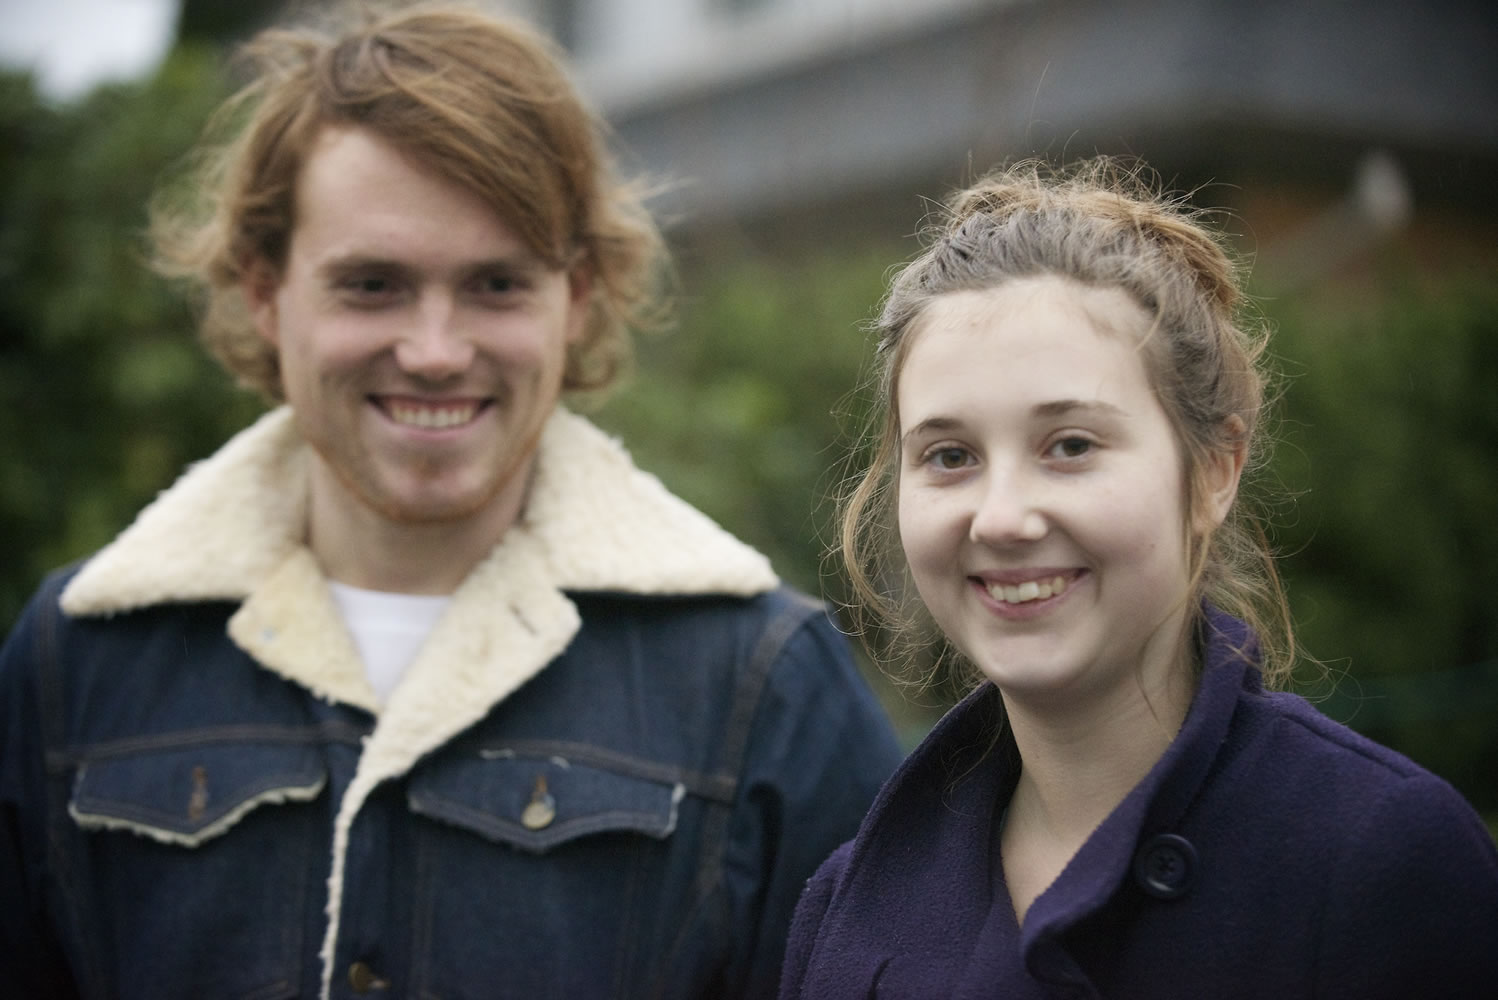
(166, 807)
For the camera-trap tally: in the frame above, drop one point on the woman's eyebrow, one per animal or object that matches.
(1050, 410)
(1063, 407)
(938, 424)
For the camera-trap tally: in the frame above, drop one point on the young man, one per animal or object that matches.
(418, 687)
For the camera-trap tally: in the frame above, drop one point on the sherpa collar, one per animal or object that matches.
(232, 527)
(233, 520)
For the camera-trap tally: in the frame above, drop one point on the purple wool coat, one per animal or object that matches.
(1270, 853)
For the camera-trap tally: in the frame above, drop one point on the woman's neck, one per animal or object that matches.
(1077, 764)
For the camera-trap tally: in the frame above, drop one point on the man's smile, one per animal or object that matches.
(428, 413)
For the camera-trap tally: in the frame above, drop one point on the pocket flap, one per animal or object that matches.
(186, 795)
(537, 802)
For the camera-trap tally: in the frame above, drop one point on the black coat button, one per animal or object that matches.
(1165, 866)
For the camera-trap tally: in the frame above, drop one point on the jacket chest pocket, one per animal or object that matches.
(536, 802)
(198, 860)
(574, 870)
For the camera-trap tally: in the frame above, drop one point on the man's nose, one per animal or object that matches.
(435, 346)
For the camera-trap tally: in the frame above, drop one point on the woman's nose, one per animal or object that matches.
(1008, 510)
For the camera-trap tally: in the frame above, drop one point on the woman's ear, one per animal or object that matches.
(1219, 475)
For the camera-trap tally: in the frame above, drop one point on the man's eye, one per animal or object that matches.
(367, 285)
(499, 284)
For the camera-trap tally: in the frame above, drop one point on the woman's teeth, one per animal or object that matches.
(1030, 590)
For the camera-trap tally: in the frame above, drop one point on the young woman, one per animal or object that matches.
(1123, 808)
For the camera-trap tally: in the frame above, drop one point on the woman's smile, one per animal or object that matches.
(1034, 592)
(1041, 487)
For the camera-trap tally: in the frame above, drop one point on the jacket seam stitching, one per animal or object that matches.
(54, 730)
(718, 787)
(320, 735)
(748, 697)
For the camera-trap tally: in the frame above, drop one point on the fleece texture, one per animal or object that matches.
(1269, 853)
(233, 528)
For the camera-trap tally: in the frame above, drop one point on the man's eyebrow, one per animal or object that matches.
(519, 263)
(358, 262)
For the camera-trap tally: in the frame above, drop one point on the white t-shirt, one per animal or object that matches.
(388, 629)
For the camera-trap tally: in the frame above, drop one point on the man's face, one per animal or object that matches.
(422, 344)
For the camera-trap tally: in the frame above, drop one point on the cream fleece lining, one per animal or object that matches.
(232, 527)
(220, 826)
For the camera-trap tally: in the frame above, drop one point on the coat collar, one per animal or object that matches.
(232, 521)
(1159, 803)
(932, 823)
(232, 528)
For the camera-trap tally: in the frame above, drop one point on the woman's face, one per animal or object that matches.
(1040, 489)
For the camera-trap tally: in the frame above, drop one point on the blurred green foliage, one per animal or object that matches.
(741, 408)
(1389, 422)
(106, 395)
(1389, 449)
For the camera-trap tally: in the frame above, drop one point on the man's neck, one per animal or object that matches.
(358, 545)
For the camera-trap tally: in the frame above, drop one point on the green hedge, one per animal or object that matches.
(106, 395)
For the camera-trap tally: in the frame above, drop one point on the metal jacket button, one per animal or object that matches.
(541, 809)
(198, 800)
(363, 979)
(1165, 866)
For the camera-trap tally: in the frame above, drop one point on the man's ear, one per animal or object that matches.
(1219, 476)
(580, 296)
(259, 284)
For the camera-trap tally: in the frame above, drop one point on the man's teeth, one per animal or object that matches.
(438, 417)
(1030, 590)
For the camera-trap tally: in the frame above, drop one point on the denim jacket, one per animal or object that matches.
(608, 773)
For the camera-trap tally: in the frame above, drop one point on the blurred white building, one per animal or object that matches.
(794, 108)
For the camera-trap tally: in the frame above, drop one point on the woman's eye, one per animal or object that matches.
(1071, 447)
(948, 458)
